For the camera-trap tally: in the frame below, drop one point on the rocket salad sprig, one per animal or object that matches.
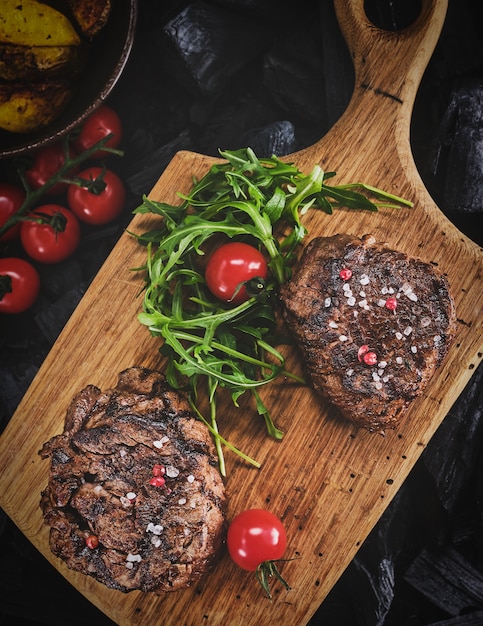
(233, 347)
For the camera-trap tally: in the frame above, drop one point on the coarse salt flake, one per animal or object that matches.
(191, 478)
(362, 303)
(98, 489)
(378, 385)
(425, 321)
(346, 287)
(364, 280)
(342, 337)
(333, 324)
(381, 302)
(408, 330)
(351, 301)
(349, 372)
(414, 349)
(412, 296)
(182, 501)
(327, 302)
(437, 339)
(160, 442)
(156, 541)
(172, 472)
(362, 294)
(399, 360)
(156, 529)
(382, 364)
(399, 335)
(133, 558)
(130, 495)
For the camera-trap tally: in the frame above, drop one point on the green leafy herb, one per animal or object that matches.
(221, 346)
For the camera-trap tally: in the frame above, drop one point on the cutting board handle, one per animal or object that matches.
(389, 66)
(390, 62)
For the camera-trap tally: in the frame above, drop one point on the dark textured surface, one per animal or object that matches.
(284, 97)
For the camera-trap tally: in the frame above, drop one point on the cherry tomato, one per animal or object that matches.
(19, 285)
(101, 203)
(254, 537)
(229, 266)
(53, 239)
(47, 162)
(11, 199)
(102, 122)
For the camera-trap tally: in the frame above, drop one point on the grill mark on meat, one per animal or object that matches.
(152, 538)
(350, 295)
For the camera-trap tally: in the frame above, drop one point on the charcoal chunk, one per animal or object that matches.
(448, 580)
(458, 150)
(151, 167)
(292, 73)
(206, 45)
(276, 139)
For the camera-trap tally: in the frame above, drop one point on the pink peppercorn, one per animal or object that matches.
(345, 273)
(362, 351)
(157, 481)
(158, 470)
(391, 304)
(92, 542)
(370, 358)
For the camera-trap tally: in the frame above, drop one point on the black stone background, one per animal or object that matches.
(275, 76)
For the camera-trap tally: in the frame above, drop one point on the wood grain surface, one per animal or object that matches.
(327, 480)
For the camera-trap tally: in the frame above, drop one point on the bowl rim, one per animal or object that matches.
(44, 136)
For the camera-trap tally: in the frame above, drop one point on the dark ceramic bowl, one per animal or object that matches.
(107, 58)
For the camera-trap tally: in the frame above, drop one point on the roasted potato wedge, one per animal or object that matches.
(32, 23)
(33, 63)
(90, 15)
(26, 107)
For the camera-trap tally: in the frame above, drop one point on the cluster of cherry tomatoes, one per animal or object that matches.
(51, 231)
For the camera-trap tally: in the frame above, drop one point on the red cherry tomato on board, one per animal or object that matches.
(229, 266)
(254, 537)
(100, 203)
(47, 162)
(101, 123)
(54, 237)
(11, 199)
(19, 285)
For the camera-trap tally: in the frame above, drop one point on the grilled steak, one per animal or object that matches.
(135, 498)
(373, 325)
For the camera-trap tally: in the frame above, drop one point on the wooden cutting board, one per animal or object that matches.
(327, 480)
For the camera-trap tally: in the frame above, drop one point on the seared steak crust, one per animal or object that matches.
(135, 498)
(372, 323)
